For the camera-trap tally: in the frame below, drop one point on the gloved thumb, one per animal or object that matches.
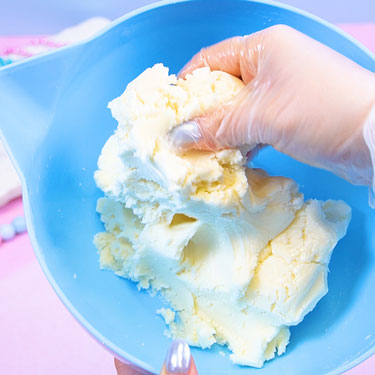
(200, 133)
(232, 125)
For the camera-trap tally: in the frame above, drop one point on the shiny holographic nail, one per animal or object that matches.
(185, 136)
(178, 359)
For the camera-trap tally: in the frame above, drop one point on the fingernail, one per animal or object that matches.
(178, 359)
(185, 135)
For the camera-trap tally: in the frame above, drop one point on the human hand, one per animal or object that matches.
(301, 97)
(178, 361)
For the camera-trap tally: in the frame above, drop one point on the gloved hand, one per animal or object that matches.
(301, 97)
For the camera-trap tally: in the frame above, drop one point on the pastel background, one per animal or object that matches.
(50, 16)
(38, 335)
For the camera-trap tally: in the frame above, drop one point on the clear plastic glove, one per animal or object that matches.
(178, 361)
(301, 97)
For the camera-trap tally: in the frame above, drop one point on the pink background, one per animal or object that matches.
(39, 336)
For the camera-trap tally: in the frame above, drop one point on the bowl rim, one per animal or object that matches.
(161, 3)
(110, 346)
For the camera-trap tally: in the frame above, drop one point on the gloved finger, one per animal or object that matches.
(221, 56)
(127, 369)
(192, 371)
(238, 56)
(179, 360)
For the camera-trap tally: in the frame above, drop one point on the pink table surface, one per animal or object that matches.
(38, 335)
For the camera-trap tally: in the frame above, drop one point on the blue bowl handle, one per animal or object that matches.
(26, 115)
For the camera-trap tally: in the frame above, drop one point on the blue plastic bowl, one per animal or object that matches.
(54, 119)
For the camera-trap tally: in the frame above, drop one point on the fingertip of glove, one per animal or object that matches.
(185, 136)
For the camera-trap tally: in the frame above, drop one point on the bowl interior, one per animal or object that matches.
(61, 193)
